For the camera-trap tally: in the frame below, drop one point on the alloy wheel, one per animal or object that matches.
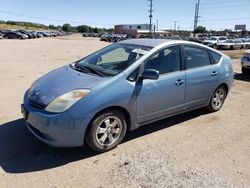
(108, 131)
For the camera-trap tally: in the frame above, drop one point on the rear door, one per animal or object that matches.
(202, 76)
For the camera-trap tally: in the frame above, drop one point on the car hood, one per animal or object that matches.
(60, 81)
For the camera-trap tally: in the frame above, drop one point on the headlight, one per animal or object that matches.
(66, 100)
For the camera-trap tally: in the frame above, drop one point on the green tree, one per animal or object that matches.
(83, 28)
(200, 29)
(95, 30)
(52, 27)
(66, 27)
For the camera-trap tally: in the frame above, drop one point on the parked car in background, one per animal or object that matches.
(113, 37)
(122, 87)
(245, 62)
(29, 34)
(1, 35)
(15, 35)
(45, 34)
(231, 44)
(37, 34)
(247, 43)
(214, 41)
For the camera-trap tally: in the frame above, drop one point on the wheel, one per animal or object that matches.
(106, 131)
(217, 99)
(245, 71)
(231, 47)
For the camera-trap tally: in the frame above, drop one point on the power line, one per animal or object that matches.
(226, 19)
(52, 19)
(224, 3)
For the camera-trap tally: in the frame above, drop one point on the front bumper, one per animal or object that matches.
(224, 47)
(208, 44)
(59, 130)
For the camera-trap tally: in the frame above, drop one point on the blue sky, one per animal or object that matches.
(215, 14)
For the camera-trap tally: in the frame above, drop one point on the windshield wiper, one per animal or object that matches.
(88, 69)
(80, 68)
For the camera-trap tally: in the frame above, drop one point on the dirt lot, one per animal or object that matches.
(196, 149)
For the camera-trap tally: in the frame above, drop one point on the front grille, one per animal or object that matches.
(36, 104)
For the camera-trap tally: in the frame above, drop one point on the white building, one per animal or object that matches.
(139, 30)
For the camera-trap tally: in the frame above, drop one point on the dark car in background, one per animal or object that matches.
(15, 35)
(29, 34)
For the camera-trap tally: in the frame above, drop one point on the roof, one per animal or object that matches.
(157, 42)
(146, 42)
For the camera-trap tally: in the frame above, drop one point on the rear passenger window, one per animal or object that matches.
(216, 57)
(196, 57)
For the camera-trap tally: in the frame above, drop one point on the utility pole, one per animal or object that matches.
(157, 25)
(175, 22)
(196, 15)
(150, 17)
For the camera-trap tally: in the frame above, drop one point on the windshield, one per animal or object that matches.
(113, 59)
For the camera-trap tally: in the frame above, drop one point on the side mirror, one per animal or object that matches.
(150, 74)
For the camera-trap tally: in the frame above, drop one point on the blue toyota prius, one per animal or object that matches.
(97, 99)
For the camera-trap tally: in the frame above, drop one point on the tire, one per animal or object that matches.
(245, 71)
(217, 99)
(231, 47)
(106, 131)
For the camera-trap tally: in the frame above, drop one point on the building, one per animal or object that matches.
(138, 30)
(130, 29)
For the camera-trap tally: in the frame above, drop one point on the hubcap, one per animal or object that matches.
(218, 99)
(108, 131)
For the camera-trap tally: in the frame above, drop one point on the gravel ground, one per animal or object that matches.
(196, 149)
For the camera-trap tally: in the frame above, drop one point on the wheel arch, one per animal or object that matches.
(225, 86)
(123, 110)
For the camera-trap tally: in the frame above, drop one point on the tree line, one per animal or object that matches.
(65, 27)
(85, 29)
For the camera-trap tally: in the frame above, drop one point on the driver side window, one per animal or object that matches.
(165, 61)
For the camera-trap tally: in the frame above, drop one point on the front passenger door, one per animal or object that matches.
(158, 98)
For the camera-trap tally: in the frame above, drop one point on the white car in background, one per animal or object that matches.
(247, 43)
(231, 44)
(245, 62)
(214, 41)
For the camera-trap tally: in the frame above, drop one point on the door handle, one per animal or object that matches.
(179, 82)
(214, 73)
